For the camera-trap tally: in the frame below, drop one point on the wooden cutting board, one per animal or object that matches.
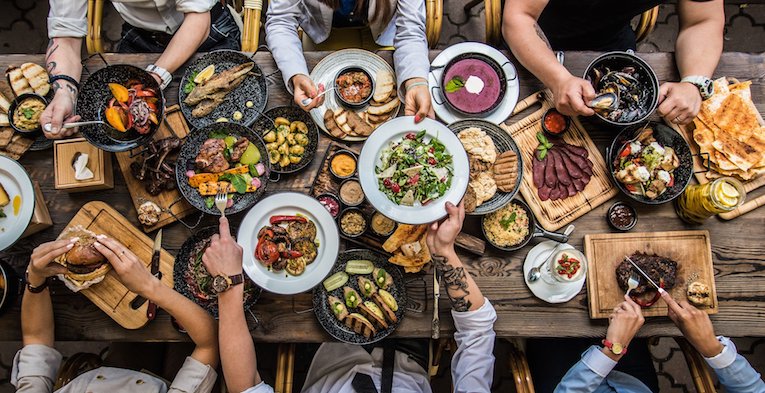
(174, 124)
(553, 215)
(605, 251)
(110, 295)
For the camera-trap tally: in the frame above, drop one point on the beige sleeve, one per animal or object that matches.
(35, 368)
(193, 377)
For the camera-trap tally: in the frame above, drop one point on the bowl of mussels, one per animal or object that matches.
(626, 86)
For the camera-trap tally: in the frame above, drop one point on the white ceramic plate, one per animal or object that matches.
(16, 181)
(396, 129)
(502, 111)
(327, 69)
(289, 203)
(559, 293)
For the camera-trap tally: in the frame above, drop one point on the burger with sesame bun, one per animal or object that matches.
(83, 262)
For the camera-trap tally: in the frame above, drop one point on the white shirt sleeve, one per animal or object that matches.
(194, 377)
(35, 368)
(262, 387)
(282, 38)
(410, 57)
(473, 362)
(186, 6)
(724, 358)
(68, 18)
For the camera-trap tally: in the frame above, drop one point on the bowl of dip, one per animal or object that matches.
(331, 203)
(566, 266)
(622, 216)
(352, 222)
(351, 193)
(554, 123)
(473, 84)
(343, 164)
(354, 87)
(381, 225)
(25, 111)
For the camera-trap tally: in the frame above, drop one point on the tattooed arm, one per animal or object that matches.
(459, 285)
(531, 48)
(62, 58)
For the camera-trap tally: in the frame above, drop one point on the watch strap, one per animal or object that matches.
(37, 289)
(236, 279)
(53, 78)
(610, 346)
(704, 84)
(166, 77)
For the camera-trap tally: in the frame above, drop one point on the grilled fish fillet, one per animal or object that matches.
(224, 82)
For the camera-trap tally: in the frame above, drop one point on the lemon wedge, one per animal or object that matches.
(205, 74)
(727, 194)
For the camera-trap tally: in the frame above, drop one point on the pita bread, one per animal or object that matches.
(736, 117)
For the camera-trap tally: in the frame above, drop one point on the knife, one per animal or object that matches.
(436, 327)
(151, 311)
(660, 289)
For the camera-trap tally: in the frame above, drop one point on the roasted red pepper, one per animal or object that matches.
(291, 254)
(279, 219)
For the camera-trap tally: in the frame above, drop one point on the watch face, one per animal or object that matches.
(707, 88)
(220, 284)
(616, 348)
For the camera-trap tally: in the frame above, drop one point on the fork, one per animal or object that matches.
(221, 200)
(633, 282)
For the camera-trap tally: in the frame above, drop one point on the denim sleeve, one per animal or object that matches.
(588, 373)
(734, 371)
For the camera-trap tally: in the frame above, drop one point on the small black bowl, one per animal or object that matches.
(395, 225)
(349, 210)
(630, 209)
(550, 133)
(362, 103)
(351, 179)
(15, 104)
(335, 199)
(346, 152)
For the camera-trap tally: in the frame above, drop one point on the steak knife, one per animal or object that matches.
(644, 274)
(436, 326)
(151, 311)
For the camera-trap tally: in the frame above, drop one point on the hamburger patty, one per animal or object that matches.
(659, 268)
(83, 269)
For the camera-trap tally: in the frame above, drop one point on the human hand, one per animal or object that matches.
(624, 323)
(131, 272)
(224, 256)
(571, 95)
(41, 265)
(417, 102)
(694, 324)
(60, 110)
(441, 235)
(680, 102)
(302, 88)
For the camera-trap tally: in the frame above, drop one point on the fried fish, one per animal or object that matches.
(212, 92)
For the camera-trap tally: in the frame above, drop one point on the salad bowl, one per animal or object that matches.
(409, 170)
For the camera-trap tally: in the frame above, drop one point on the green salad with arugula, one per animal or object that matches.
(414, 170)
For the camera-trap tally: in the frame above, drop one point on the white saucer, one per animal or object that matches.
(503, 110)
(560, 293)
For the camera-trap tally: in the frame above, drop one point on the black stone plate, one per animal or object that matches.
(263, 125)
(252, 291)
(189, 152)
(327, 319)
(503, 142)
(253, 88)
(666, 137)
(92, 100)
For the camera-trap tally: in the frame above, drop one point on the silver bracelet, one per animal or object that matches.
(415, 84)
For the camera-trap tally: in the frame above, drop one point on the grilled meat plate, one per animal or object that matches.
(662, 270)
(297, 230)
(210, 158)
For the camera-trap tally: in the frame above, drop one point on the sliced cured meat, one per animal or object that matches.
(579, 184)
(573, 170)
(578, 150)
(538, 169)
(588, 168)
(572, 189)
(551, 180)
(578, 160)
(544, 193)
(560, 168)
(562, 191)
(555, 194)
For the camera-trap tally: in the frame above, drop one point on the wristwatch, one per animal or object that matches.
(223, 283)
(705, 85)
(36, 289)
(615, 348)
(163, 74)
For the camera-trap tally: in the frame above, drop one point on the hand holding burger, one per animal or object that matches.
(83, 262)
(41, 264)
(130, 270)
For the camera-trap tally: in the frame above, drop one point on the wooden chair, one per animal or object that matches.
(251, 12)
(285, 368)
(493, 12)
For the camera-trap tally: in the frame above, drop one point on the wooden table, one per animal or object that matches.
(738, 246)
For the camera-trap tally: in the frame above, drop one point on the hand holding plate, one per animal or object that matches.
(441, 236)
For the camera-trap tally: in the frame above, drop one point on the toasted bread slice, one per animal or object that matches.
(374, 314)
(5, 104)
(390, 315)
(37, 78)
(360, 127)
(383, 109)
(18, 83)
(360, 325)
(384, 86)
(377, 119)
(4, 121)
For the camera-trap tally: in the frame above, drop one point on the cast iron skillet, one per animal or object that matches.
(327, 319)
(182, 265)
(486, 59)
(503, 142)
(189, 152)
(95, 95)
(534, 230)
(254, 88)
(665, 136)
(264, 124)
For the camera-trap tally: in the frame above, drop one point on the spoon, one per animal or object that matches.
(48, 127)
(608, 101)
(307, 101)
(535, 273)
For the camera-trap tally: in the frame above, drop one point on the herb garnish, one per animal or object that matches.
(28, 113)
(218, 134)
(236, 180)
(190, 85)
(507, 221)
(544, 146)
(454, 85)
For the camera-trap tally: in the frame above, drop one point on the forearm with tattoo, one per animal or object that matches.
(460, 286)
(62, 57)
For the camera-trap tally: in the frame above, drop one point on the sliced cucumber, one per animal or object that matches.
(359, 266)
(335, 281)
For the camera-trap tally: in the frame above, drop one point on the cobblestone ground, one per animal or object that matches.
(22, 30)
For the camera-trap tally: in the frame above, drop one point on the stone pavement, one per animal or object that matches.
(23, 30)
